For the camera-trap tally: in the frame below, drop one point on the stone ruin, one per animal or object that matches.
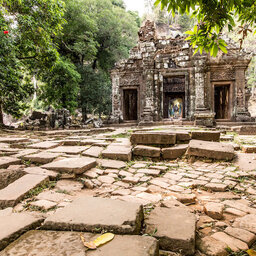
(163, 80)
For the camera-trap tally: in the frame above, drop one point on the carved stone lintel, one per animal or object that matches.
(222, 75)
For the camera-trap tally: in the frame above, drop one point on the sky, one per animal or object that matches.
(135, 5)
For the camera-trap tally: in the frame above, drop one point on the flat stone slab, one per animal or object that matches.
(44, 145)
(13, 225)
(174, 227)
(93, 151)
(11, 140)
(153, 138)
(147, 151)
(6, 161)
(118, 152)
(76, 165)
(8, 176)
(40, 171)
(206, 135)
(16, 191)
(42, 157)
(245, 162)
(213, 150)
(94, 214)
(73, 150)
(248, 222)
(41, 242)
(112, 164)
(175, 151)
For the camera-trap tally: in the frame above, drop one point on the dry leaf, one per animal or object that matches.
(251, 252)
(89, 245)
(103, 239)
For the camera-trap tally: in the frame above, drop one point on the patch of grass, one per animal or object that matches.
(36, 191)
(121, 135)
(62, 191)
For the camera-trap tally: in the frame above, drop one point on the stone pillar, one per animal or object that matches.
(203, 115)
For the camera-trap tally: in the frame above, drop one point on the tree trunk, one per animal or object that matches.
(1, 116)
(84, 114)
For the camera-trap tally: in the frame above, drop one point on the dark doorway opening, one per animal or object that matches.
(222, 101)
(130, 104)
(174, 105)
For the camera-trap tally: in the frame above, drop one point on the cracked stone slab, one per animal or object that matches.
(13, 225)
(175, 229)
(213, 150)
(42, 157)
(16, 191)
(7, 161)
(94, 214)
(76, 165)
(40, 242)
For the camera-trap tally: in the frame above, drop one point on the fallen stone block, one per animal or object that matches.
(206, 135)
(15, 224)
(241, 234)
(7, 161)
(146, 151)
(118, 152)
(175, 229)
(16, 191)
(212, 150)
(8, 176)
(93, 214)
(93, 151)
(175, 151)
(41, 242)
(212, 247)
(153, 138)
(42, 157)
(75, 165)
(214, 210)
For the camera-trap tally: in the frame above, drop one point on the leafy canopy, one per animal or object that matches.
(213, 17)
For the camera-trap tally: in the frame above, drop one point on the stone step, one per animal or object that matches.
(146, 151)
(212, 150)
(174, 152)
(153, 138)
(8, 176)
(174, 228)
(75, 165)
(42, 157)
(118, 152)
(12, 225)
(16, 191)
(7, 161)
(41, 242)
(206, 135)
(91, 214)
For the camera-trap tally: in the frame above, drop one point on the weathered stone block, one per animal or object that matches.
(93, 151)
(153, 138)
(175, 151)
(6, 161)
(118, 152)
(93, 214)
(206, 135)
(41, 242)
(175, 229)
(8, 176)
(213, 150)
(146, 151)
(42, 157)
(248, 222)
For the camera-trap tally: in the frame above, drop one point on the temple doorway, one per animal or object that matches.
(174, 107)
(222, 101)
(130, 102)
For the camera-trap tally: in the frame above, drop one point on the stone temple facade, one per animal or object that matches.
(163, 80)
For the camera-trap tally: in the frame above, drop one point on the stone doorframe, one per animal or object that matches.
(138, 99)
(231, 113)
(175, 73)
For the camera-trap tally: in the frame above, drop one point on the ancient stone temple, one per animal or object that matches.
(163, 80)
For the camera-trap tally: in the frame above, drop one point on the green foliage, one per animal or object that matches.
(61, 85)
(213, 16)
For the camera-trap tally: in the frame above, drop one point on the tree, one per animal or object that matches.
(61, 85)
(213, 16)
(26, 48)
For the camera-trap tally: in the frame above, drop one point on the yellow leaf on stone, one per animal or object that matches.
(251, 252)
(103, 239)
(89, 245)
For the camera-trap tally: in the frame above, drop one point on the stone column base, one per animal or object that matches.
(204, 118)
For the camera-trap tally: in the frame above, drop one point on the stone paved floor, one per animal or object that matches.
(220, 194)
